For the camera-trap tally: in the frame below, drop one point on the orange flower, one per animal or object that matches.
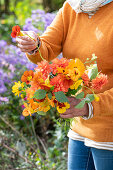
(59, 63)
(29, 93)
(85, 79)
(60, 83)
(15, 31)
(99, 81)
(25, 112)
(30, 108)
(27, 76)
(44, 68)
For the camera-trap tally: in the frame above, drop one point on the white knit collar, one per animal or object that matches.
(87, 6)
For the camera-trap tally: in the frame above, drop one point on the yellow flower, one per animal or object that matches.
(76, 84)
(96, 98)
(61, 109)
(44, 106)
(75, 69)
(17, 88)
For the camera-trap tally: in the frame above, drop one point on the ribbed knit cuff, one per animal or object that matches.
(36, 49)
(90, 112)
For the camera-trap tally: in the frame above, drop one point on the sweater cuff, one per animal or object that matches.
(36, 49)
(90, 112)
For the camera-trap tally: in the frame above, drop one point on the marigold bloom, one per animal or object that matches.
(99, 81)
(27, 76)
(77, 64)
(85, 79)
(16, 31)
(62, 107)
(17, 88)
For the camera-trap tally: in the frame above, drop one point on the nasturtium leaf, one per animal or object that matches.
(92, 72)
(40, 94)
(87, 100)
(90, 97)
(50, 95)
(80, 95)
(61, 97)
(80, 105)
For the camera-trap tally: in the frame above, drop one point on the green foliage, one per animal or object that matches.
(50, 95)
(93, 72)
(61, 97)
(89, 98)
(80, 105)
(40, 94)
(80, 95)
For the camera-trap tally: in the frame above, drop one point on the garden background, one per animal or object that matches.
(37, 142)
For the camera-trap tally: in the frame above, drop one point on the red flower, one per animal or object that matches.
(15, 31)
(99, 81)
(85, 79)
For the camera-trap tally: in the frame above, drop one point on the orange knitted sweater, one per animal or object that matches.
(77, 36)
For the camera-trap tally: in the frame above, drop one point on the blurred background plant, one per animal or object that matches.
(37, 142)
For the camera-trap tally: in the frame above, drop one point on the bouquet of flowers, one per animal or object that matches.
(49, 84)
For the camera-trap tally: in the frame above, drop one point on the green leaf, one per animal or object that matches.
(40, 94)
(52, 88)
(61, 97)
(87, 100)
(93, 72)
(90, 97)
(80, 95)
(80, 105)
(41, 112)
(50, 95)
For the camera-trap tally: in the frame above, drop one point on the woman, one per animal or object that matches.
(81, 28)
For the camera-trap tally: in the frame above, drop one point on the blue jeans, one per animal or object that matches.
(81, 157)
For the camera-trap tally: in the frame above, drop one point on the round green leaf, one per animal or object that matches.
(61, 97)
(40, 94)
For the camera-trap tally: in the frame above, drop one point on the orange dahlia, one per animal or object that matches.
(99, 81)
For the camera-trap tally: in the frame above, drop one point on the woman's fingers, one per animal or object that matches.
(66, 116)
(27, 47)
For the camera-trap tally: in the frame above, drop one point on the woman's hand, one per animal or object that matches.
(25, 43)
(72, 111)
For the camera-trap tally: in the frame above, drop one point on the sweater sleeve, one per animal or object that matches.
(51, 40)
(104, 106)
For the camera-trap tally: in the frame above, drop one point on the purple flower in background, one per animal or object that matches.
(22, 117)
(2, 87)
(4, 99)
(3, 43)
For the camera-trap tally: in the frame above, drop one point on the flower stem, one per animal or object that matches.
(38, 48)
(89, 89)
